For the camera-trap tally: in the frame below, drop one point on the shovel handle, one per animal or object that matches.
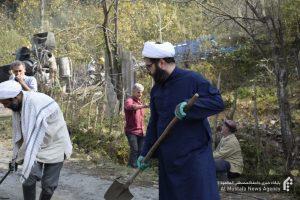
(166, 132)
(4, 177)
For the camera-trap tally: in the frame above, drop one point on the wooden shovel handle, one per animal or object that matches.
(166, 132)
(4, 177)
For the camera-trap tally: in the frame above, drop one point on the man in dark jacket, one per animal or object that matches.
(186, 164)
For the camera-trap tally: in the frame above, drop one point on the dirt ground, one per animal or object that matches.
(78, 181)
(82, 179)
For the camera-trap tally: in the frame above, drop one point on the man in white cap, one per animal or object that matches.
(186, 164)
(134, 128)
(40, 137)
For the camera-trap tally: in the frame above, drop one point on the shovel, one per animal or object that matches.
(119, 190)
(4, 177)
(11, 168)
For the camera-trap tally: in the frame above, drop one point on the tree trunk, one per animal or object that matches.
(117, 62)
(106, 38)
(255, 113)
(284, 109)
(233, 109)
(256, 130)
(42, 14)
(298, 64)
(159, 25)
(112, 48)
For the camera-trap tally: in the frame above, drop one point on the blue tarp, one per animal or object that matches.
(200, 48)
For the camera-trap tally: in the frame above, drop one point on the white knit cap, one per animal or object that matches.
(154, 50)
(9, 89)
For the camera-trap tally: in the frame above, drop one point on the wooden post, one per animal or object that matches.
(127, 72)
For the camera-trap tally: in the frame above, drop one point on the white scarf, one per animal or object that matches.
(31, 124)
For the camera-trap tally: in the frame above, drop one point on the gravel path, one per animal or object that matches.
(82, 180)
(74, 184)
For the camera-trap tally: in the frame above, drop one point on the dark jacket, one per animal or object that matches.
(186, 165)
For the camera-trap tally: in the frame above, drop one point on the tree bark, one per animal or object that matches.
(275, 30)
(256, 129)
(298, 64)
(42, 14)
(106, 37)
(284, 110)
(117, 65)
(255, 113)
(112, 49)
(233, 109)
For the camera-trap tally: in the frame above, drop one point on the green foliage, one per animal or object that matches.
(206, 69)
(260, 161)
(291, 16)
(110, 145)
(76, 27)
(245, 92)
(239, 68)
(140, 22)
(10, 40)
(78, 32)
(263, 93)
(88, 141)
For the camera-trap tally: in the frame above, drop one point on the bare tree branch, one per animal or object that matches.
(220, 12)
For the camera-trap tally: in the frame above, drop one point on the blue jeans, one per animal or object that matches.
(136, 144)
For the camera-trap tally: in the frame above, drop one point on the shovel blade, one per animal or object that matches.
(118, 191)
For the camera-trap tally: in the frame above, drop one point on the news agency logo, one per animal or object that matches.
(287, 183)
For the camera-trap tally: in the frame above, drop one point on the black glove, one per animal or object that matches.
(13, 166)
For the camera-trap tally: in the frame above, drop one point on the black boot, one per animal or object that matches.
(29, 191)
(45, 196)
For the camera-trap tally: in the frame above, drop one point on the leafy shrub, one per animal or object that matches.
(111, 145)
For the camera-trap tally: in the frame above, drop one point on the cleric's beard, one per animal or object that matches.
(16, 107)
(160, 75)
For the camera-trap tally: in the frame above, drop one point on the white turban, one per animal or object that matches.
(9, 89)
(154, 50)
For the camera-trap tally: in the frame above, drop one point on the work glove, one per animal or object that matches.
(141, 165)
(179, 110)
(13, 166)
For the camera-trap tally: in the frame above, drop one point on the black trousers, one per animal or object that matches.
(222, 169)
(136, 144)
(48, 174)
